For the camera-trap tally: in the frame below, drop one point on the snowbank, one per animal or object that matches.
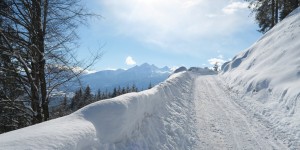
(269, 72)
(158, 118)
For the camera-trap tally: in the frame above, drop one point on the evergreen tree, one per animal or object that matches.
(123, 90)
(216, 67)
(150, 86)
(134, 88)
(128, 89)
(103, 96)
(119, 92)
(87, 96)
(269, 12)
(114, 94)
(109, 95)
(77, 100)
(99, 95)
(65, 102)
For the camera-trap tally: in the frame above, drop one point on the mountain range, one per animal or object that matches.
(140, 76)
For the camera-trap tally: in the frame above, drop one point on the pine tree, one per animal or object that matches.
(269, 12)
(150, 86)
(134, 88)
(114, 94)
(103, 96)
(216, 67)
(65, 102)
(123, 90)
(87, 96)
(128, 89)
(99, 95)
(119, 92)
(77, 100)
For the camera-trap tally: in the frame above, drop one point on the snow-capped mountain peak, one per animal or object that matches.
(140, 75)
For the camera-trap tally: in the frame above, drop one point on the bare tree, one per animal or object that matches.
(38, 40)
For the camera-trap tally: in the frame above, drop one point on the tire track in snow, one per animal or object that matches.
(212, 121)
(235, 118)
(222, 124)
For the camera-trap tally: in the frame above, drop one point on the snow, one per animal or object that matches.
(266, 77)
(252, 104)
(152, 119)
(223, 124)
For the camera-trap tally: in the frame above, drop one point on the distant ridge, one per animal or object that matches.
(141, 76)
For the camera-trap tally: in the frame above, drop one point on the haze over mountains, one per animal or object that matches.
(141, 76)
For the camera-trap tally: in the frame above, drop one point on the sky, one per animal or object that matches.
(170, 33)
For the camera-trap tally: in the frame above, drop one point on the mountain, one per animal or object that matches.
(141, 76)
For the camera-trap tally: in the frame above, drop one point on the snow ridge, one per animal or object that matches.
(131, 121)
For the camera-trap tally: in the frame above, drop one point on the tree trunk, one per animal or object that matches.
(36, 65)
(273, 14)
(276, 11)
(42, 62)
(296, 4)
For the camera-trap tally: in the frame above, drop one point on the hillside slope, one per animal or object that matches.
(267, 78)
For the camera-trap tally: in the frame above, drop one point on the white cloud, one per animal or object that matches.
(129, 61)
(174, 68)
(175, 25)
(79, 69)
(90, 71)
(213, 61)
(235, 6)
(221, 56)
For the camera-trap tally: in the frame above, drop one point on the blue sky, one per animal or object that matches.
(166, 32)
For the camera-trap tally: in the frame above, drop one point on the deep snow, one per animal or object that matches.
(159, 118)
(267, 78)
(252, 104)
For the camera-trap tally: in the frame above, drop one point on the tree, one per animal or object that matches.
(288, 6)
(99, 95)
(87, 96)
(128, 89)
(77, 100)
(134, 88)
(150, 86)
(266, 13)
(119, 91)
(114, 94)
(269, 12)
(65, 102)
(123, 90)
(13, 112)
(36, 43)
(216, 67)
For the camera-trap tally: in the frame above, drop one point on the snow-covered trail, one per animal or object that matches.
(223, 124)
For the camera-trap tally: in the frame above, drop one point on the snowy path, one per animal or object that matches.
(223, 124)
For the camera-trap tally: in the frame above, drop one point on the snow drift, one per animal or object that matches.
(267, 78)
(158, 118)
